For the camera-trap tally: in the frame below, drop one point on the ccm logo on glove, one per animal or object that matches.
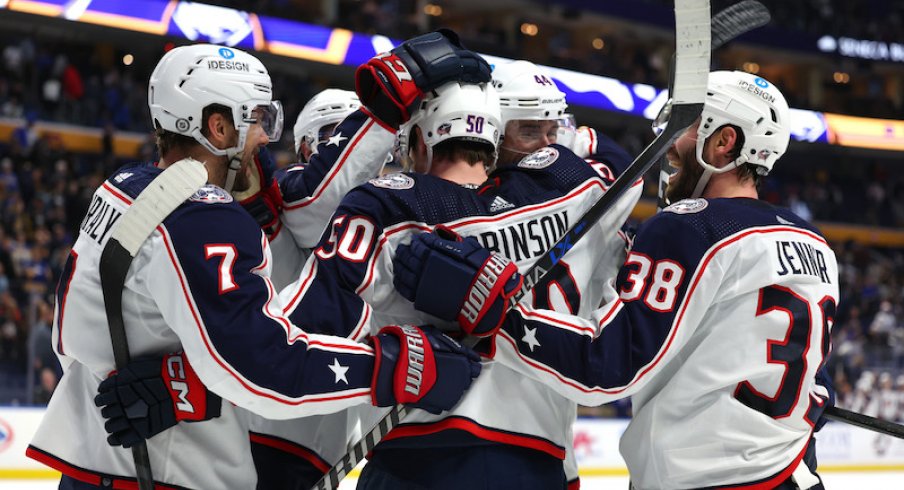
(189, 404)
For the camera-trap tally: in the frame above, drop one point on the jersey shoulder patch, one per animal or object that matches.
(687, 206)
(393, 181)
(211, 194)
(539, 159)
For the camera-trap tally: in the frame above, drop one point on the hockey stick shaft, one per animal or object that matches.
(729, 23)
(164, 194)
(692, 22)
(865, 422)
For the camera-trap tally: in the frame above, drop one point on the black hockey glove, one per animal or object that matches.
(263, 198)
(151, 395)
(421, 367)
(456, 279)
(391, 85)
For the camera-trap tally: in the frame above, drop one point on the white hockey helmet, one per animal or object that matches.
(189, 78)
(756, 106)
(456, 111)
(527, 91)
(324, 109)
(753, 104)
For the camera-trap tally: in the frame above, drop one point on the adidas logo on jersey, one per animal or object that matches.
(121, 177)
(499, 204)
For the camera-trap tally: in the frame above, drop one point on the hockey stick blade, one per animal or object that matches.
(692, 34)
(729, 23)
(737, 20)
(865, 422)
(163, 195)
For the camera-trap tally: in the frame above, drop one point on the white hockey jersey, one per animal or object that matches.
(520, 212)
(721, 325)
(311, 194)
(200, 284)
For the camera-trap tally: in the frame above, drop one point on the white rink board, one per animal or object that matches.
(841, 447)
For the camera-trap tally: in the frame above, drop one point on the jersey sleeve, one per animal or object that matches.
(659, 298)
(327, 297)
(355, 153)
(210, 277)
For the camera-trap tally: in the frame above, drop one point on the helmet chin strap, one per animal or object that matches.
(709, 170)
(234, 154)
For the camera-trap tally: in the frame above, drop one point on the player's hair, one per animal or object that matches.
(473, 152)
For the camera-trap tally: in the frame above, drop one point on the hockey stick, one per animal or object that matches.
(163, 195)
(865, 422)
(692, 33)
(728, 24)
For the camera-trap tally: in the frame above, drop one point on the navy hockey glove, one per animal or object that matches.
(391, 85)
(151, 395)
(457, 280)
(421, 367)
(263, 198)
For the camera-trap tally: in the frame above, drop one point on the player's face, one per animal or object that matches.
(682, 157)
(523, 137)
(255, 139)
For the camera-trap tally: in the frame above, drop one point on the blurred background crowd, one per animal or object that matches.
(84, 83)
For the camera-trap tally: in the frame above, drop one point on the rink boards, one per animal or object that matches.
(840, 448)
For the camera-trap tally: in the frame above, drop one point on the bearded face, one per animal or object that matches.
(682, 158)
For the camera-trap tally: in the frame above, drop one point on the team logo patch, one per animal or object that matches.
(541, 158)
(393, 181)
(444, 128)
(687, 206)
(211, 194)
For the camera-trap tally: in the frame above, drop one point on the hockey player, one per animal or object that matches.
(521, 212)
(200, 284)
(294, 454)
(534, 115)
(319, 117)
(722, 321)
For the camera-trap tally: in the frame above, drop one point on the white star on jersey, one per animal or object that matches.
(339, 370)
(336, 139)
(530, 338)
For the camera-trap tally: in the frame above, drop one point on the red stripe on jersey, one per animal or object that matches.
(87, 476)
(479, 431)
(302, 288)
(292, 448)
(228, 368)
(772, 481)
(343, 158)
(675, 325)
(116, 193)
(574, 484)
